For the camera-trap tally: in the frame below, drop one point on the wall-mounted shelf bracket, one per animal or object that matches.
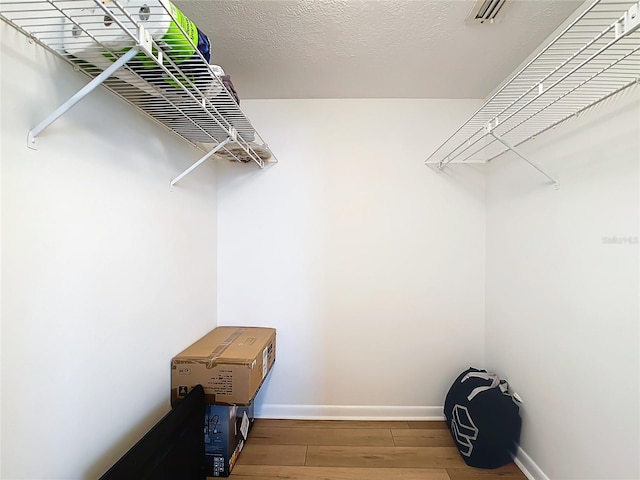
(596, 56)
(489, 130)
(147, 57)
(218, 147)
(144, 43)
(83, 92)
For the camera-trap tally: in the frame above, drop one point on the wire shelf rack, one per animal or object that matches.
(147, 54)
(596, 56)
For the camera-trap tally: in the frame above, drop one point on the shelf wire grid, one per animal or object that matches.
(589, 61)
(174, 84)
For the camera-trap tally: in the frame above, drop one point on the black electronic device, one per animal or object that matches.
(172, 450)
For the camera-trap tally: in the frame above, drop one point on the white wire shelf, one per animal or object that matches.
(142, 53)
(593, 58)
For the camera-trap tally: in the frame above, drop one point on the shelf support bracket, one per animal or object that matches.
(202, 160)
(32, 141)
(519, 154)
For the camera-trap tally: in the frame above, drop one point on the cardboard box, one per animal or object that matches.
(229, 362)
(226, 429)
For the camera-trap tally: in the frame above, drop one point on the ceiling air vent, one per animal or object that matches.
(487, 11)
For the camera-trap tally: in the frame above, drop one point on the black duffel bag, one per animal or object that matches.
(484, 419)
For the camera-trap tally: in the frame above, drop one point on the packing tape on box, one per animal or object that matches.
(211, 360)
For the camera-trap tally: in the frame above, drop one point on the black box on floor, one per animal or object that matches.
(226, 429)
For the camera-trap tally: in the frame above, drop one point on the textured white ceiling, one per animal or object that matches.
(370, 49)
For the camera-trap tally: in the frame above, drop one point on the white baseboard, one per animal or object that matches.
(530, 469)
(349, 412)
(370, 412)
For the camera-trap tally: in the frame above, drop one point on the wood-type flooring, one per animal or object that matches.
(357, 450)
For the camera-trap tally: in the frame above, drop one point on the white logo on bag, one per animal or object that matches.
(463, 429)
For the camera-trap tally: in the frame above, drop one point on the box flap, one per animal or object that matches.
(234, 345)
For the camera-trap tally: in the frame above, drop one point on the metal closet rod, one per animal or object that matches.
(607, 60)
(564, 95)
(517, 75)
(546, 90)
(200, 109)
(538, 128)
(144, 43)
(572, 114)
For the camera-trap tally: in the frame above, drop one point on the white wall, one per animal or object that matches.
(369, 264)
(562, 300)
(106, 274)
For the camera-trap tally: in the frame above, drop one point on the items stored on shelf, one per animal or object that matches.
(149, 54)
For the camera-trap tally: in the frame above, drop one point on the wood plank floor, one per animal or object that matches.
(345, 450)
